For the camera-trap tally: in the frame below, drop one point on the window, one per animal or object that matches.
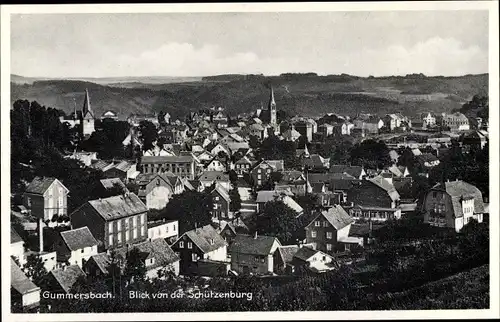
(259, 177)
(325, 223)
(134, 232)
(110, 227)
(328, 247)
(256, 258)
(83, 250)
(194, 257)
(190, 245)
(143, 230)
(110, 240)
(119, 225)
(216, 198)
(119, 238)
(262, 260)
(134, 221)
(212, 241)
(158, 182)
(317, 223)
(143, 219)
(329, 235)
(127, 235)
(174, 227)
(313, 233)
(181, 244)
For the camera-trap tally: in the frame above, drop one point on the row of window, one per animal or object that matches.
(329, 234)
(127, 235)
(317, 223)
(126, 222)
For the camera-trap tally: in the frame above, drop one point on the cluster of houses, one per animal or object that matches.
(198, 156)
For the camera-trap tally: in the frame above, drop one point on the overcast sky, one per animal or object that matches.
(199, 44)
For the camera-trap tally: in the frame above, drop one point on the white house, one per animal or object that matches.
(76, 246)
(163, 229)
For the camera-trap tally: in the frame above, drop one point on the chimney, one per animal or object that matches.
(255, 236)
(40, 233)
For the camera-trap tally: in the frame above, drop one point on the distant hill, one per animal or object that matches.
(306, 94)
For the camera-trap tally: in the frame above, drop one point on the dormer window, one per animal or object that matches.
(212, 241)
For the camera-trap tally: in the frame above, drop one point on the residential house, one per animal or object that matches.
(199, 244)
(163, 229)
(265, 196)
(453, 204)
(221, 202)
(61, 280)
(234, 227)
(253, 254)
(428, 160)
(428, 120)
(176, 182)
(399, 171)
(374, 199)
(261, 172)
(312, 260)
(75, 246)
(293, 181)
(316, 162)
(475, 140)
(243, 165)
(24, 293)
(343, 128)
(46, 197)
(209, 178)
(182, 166)
(216, 164)
(329, 230)
(114, 221)
(155, 190)
(305, 128)
(84, 157)
(291, 135)
(156, 255)
(125, 170)
(326, 129)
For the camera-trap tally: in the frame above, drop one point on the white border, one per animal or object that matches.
(492, 6)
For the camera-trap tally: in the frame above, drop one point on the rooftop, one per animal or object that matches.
(118, 206)
(254, 245)
(78, 238)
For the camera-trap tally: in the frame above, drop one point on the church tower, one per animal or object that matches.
(88, 116)
(272, 109)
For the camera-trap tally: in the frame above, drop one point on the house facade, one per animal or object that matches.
(114, 221)
(168, 230)
(75, 246)
(155, 190)
(253, 254)
(46, 197)
(453, 205)
(199, 244)
(182, 166)
(221, 202)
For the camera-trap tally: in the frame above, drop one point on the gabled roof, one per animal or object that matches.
(237, 226)
(244, 160)
(355, 171)
(102, 261)
(304, 253)
(287, 252)
(222, 192)
(336, 216)
(40, 185)
(14, 236)
(78, 238)
(66, 277)
(157, 249)
(379, 181)
(278, 165)
(112, 182)
(118, 206)
(459, 190)
(19, 281)
(260, 245)
(123, 166)
(202, 237)
(292, 176)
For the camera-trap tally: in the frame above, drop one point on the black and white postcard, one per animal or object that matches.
(250, 161)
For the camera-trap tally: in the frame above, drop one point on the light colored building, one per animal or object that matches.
(17, 246)
(168, 230)
(114, 221)
(46, 197)
(155, 190)
(75, 246)
(24, 293)
(453, 204)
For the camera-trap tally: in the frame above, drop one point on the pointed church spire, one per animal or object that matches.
(86, 104)
(272, 103)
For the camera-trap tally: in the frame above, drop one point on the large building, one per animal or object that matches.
(182, 166)
(46, 197)
(115, 221)
(453, 204)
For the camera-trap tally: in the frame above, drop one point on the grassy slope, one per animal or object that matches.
(304, 95)
(466, 290)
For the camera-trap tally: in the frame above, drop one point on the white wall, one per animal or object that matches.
(31, 298)
(166, 230)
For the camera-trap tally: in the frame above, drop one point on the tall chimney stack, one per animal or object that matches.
(40, 233)
(255, 236)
